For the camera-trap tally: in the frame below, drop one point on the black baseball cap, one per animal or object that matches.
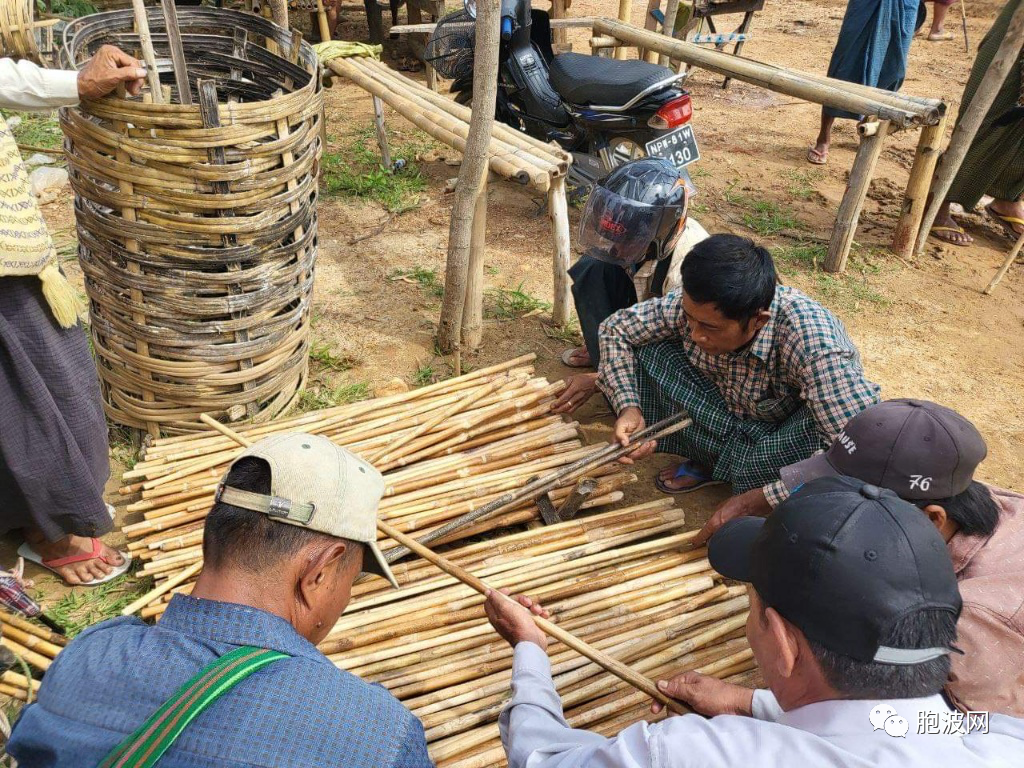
(843, 560)
(918, 449)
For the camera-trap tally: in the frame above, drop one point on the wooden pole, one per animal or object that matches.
(606, 662)
(669, 26)
(853, 200)
(148, 55)
(558, 36)
(473, 316)
(558, 211)
(382, 135)
(833, 93)
(1010, 258)
(928, 150)
(973, 115)
(471, 178)
(625, 11)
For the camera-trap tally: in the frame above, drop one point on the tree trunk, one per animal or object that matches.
(472, 175)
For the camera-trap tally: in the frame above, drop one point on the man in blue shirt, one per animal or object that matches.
(294, 524)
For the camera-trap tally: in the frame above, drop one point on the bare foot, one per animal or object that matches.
(577, 357)
(668, 477)
(946, 229)
(1009, 209)
(818, 154)
(83, 571)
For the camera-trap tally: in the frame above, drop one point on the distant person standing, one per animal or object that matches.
(872, 50)
(937, 33)
(994, 164)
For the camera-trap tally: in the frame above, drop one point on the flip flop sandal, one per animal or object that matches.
(687, 469)
(936, 233)
(814, 157)
(28, 553)
(940, 37)
(568, 356)
(1006, 222)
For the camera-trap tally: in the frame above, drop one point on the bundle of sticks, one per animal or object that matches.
(35, 645)
(446, 450)
(625, 581)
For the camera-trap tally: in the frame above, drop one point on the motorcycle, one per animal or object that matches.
(603, 111)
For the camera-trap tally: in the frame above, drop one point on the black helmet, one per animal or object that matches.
(639, 204)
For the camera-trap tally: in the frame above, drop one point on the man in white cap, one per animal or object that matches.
(293, 525)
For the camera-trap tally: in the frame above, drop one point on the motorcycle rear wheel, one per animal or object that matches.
(621, 150)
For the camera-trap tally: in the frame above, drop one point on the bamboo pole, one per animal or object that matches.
(558, 211)
(148, 55)
(833, 93)
(625, 9)
(167, 586)
(974, 114)
(1001, 272)
(845, 228)
(606, 662)
(929, 147)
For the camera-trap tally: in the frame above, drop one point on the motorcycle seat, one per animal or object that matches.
(582, 79)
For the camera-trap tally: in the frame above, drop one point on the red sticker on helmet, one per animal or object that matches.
(608, 224)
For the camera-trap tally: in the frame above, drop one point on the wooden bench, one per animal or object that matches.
(513, 156)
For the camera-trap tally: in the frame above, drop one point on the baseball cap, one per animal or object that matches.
(920, 450)
(320, 486)
(843, 561)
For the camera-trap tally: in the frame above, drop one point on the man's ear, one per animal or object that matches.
(319, 570)
(761, 319)
(940, 519)
(787, 646)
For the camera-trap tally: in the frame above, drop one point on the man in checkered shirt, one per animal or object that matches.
(768, 375)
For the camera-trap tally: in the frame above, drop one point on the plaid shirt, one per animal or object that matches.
(295, 713)
(801, 355)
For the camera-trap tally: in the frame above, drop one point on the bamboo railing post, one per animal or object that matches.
(668, 28)
(558, 34)
(382, 134)
(928, 151)
(853, 199)
(625, 11)
(606, 662)
(973, 114)
(558, 211)
(1010, 258)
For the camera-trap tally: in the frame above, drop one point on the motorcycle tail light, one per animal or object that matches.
(673, 114)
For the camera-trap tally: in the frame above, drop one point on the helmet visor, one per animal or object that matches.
(618, 230)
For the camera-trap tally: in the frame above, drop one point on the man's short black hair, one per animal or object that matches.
(252, 540)
(853, 679)
(974, 510)
(732, 272)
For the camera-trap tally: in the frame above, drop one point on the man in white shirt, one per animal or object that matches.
(852, 619)
(53, 443)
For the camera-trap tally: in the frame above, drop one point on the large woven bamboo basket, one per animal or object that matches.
(197, 226)
(22, 36)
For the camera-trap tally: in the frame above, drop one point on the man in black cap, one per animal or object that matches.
(927, 454)
(853, 609)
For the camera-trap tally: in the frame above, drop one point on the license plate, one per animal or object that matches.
(678, 147)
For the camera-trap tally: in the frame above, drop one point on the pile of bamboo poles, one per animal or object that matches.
(623, 580)
(445, 449)
(36, 646)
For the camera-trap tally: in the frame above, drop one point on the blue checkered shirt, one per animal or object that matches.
(301, 712)
(801, 354)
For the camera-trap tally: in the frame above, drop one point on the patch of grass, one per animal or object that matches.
(568, 333)
(425, 374)
(123, 446)
(81, 608)
(67, 8)
(699, 208)
(355, 170)
(322, 396)
(427, 279)
(847, 293)
(490, 269)
(802, 255)
(698, 171)
(509, 303)
(38, 130)
(803, 182)
(321, 353)
(766, 218)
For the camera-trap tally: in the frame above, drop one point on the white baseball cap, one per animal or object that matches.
(320, 486)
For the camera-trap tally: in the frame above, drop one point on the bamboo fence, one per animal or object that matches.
(624, 581)
(22, 36)
(196, 212)
(445, 450)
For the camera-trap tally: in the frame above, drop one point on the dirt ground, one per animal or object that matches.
(923, 327)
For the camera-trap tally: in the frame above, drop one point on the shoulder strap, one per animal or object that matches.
(147, 745)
